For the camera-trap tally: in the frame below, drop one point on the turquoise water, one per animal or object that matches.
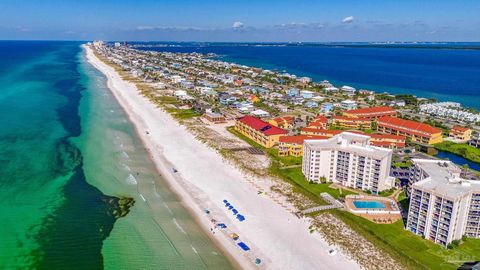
(368, 204)
(68, 152)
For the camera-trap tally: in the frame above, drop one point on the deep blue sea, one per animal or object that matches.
(447, 71)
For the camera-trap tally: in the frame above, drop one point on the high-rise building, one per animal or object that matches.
(443, 206)
(349, 160)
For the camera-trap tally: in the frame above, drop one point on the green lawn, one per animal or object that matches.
(387, 192)
(182, 114)
(403, 201)
(295, 176)
(405, 164)
(409, 249)
(462, 149)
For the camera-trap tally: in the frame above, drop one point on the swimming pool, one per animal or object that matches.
(369, 204)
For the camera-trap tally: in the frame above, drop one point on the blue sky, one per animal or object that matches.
(233, 20)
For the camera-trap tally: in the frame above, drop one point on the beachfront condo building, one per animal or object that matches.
(352, 122)
(415, 131)
(443, 206)
(349, 160)
(371, 113)
(261, 132)
(293, 145)
(380, 140)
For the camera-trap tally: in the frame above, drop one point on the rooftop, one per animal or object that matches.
(409, 125)
(299, 139)
(444, 179)
(372, 110)
(261, 125)
(350, 142)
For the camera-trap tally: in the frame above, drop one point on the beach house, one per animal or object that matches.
(348, 90)
(460, 134)
(348, 104)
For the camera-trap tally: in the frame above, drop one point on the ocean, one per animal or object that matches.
(68, 153)
(445, 71)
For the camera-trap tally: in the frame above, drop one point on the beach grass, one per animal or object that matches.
(182, 114)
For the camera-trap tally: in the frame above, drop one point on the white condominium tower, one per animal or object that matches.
(348, 159)
(443, 206)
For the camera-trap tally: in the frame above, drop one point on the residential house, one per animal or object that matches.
(461, 134)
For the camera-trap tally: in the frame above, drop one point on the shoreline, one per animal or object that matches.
(204, 179)
(162, 171)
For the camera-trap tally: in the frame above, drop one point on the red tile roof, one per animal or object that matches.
(287, 119)
(320, 119)
(459, 129)
(408, 126)
(372, 111)
(299, 139)
(261, 125)
(351, 119)
(381, 140)
(323, 132)
(387, 144)
(317, 125)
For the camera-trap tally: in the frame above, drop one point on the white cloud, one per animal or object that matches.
(168, 28)
(348, 19)
(237, 25)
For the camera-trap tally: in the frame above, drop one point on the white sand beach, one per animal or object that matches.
(203, 180)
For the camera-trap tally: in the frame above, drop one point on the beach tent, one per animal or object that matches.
(243, 246)
(221, 225)
(240, 217)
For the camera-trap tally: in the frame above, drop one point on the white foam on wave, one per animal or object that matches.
(155, 191)
(194, 250)
(168, 208)
(126, 167)
(143, 198)
(178, 226)
(131, 179)
(125, 155)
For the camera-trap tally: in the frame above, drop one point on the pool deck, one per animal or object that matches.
(385, 215)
